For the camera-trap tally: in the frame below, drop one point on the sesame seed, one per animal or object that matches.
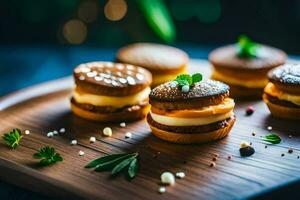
(27, 132)
(62, 130)
(123, 124)
(50, 134)
(81, 153)
(92, 139)
(270, 128)
(180, 174)
(167, 178)
(73, 142)
(128, 135)
(55, 132)
(107, 131)
(162, 190)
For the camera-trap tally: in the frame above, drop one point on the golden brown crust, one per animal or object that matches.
(226, 57)
(282, 111)
(204, 93)
(286, 78)
(111, 79)
(183, 138)
(156, 58)
(111, 117)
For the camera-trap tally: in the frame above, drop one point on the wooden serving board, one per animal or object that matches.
(45, 108)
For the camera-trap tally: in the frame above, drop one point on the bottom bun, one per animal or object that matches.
(111, 117)
(282, 111)
(244, 92)
(184, 138)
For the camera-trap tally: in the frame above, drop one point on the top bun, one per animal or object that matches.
(227, 57)
(286, 77)
(203, 93)
(154, 57)
(111, 79)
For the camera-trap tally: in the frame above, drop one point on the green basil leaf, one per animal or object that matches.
(132, 169)
(103, 159)
(122, 165)
(196, 77)
(112, 163)
(272, 138)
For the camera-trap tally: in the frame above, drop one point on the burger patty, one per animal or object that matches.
(109, 109)
(280, 102)
(192, 129)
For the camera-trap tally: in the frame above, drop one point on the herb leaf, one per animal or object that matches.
(186, 79)
(12, 139)
(118, 168)
(117, 163)
(112, 163)
(247, 48)
(272, 138)
(197, 77)
(47, 155)
(102, 160)
(132, 169)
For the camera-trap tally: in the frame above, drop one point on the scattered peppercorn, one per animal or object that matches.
(229, 157)
(290, 151)
(215, 155)
(282, 155)
(266, 146)
(298, 157)
(247, 151)
(214, 159)
(290, 136)
(249, 110)
(253, 133)
(184, 162)
(212, 164)
(250, 143)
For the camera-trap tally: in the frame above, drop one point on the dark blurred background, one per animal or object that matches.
(42, 40)
(107, 23)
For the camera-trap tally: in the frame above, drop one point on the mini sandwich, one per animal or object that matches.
(107, 91)
(244, 66)
(189, 110)
(282, 94)
(164, 62)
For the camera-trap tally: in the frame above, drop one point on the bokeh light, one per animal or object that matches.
(75, 31)
(115, 10)
(88, 11)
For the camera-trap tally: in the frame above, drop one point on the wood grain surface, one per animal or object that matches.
(45, 108)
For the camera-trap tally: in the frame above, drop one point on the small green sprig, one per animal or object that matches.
(185, 81)
(247, 48)
(116, 163)
(12, 139)
(48, 156)
(272, 138)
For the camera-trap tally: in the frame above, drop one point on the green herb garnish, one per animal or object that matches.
(116, 163)
(12, 139)
(247, 48)
(186, 79)
(272, 138)
(47, 155)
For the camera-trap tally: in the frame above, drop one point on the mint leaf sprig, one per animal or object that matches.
(48, 156)
(12, 139)
(116, 163)
(272, 138)
(186, 80)
(246, 48)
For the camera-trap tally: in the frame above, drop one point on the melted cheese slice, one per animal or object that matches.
(257, 83)
(118, 102)
(271, 90)
(197, 121)
(226, 106)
